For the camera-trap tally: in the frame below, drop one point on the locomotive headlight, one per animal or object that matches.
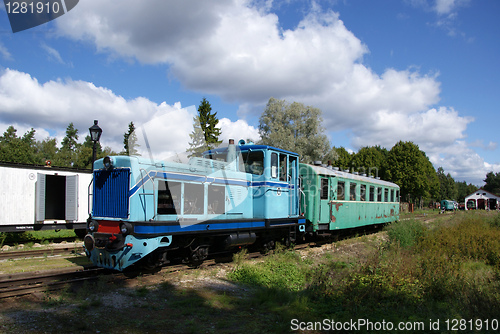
(93, 226)
(108, 162)
(125, 228)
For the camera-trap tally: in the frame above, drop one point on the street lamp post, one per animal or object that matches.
(95, 135)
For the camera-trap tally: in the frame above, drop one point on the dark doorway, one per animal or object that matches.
(55, 197)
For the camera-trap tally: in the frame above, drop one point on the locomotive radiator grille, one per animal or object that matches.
(110, 197)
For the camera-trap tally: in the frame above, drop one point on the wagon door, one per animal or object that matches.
(325, 202)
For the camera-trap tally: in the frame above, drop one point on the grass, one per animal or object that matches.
(42, 237)
(448, 270)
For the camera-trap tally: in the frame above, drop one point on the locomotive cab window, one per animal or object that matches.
(283, 170)
(274, 165)
(340, 191)
(254, 162)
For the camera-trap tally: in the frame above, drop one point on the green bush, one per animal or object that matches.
(406, 233)
(283, 270)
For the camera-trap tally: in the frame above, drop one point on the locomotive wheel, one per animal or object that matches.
(197, 256)
(266, 246)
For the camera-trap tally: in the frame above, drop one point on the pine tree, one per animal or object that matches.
(130, 141)
(67, 154)
(205, 135)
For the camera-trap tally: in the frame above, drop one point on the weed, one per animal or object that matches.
(406, 233)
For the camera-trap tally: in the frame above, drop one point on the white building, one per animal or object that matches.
(482, 200)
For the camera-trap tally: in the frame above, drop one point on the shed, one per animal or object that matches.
(482, 200)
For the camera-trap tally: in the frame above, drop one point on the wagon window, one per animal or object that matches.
(324, 188)
(379, 194)
(386, 195)
(372, 194)
(352, 191)
(363, 192)
(194, 195)
(397, 196)
(340, 191)
(392, 195)
(169, 197)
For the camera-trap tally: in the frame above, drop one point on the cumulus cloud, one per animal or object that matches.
(237, 49)
(49, 107)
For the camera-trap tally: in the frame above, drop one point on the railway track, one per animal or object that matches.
(11, 255)
(20, 284)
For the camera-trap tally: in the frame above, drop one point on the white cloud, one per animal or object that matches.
(51, 106)
(236, 49)
(26, 103)
(237, 130)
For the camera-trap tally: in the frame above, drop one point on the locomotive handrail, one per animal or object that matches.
(305, 205)
(146, 194)
(90, 195)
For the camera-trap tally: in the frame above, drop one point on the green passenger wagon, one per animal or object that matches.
(335, 200)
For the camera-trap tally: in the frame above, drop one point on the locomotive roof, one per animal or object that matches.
(329, 171)
(251, 147)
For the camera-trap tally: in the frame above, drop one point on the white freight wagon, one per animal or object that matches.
(43, 198)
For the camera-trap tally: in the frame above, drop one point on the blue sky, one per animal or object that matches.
(381, 71)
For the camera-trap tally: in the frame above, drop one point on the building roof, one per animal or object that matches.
(481, 191)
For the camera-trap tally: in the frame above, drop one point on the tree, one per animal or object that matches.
(492, 183)
(464, 190)
(341, 158)
(130, 141)
(15, 149)
(370, 161)
(294, 127)
(67, 154)
(46, 150)
(411, 169)
(447, 186)
(205, 135)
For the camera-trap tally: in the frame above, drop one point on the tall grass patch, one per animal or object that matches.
(406, 233)
(283, 270)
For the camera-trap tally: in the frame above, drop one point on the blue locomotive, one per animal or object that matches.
(153, 212)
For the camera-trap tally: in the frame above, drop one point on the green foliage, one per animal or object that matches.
(17, 149)
(406, 233)
(205, 135)
(27, 150)
(448, 189)
(411, 169)
(492, 183)
(370, 161)
(130, 141)
(341, 158)
(281, 271)
(294, 127)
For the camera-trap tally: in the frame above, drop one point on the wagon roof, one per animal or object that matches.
(332, 172)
